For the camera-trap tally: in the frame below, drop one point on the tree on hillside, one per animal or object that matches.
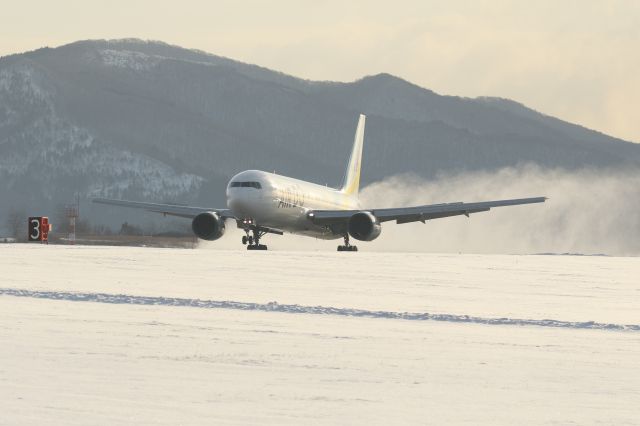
(17, 224)
(127, 229)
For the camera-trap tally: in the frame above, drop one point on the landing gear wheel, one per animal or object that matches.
(253, 241)
(347, 246)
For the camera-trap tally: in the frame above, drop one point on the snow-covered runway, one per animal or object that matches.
(99, 335)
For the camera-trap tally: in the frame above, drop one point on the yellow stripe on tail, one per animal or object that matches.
(351, 183)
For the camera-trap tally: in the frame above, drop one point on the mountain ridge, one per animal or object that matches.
(149, 120)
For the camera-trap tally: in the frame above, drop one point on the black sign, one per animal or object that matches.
(35, 229)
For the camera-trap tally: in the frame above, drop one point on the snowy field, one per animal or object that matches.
(112, 335)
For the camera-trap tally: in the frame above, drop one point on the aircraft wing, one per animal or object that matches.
(166, 209)
(418, 213)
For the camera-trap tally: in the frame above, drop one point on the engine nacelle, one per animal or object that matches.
(208, 226)
(364, 226)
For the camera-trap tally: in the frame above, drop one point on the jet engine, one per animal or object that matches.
(364, 226)
(208, 226)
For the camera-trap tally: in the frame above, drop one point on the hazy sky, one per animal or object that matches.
(577, 60)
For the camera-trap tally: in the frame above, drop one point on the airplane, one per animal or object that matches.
(263, 203)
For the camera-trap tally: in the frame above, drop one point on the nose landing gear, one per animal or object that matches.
(347, 246)
(254, 233)
(253, 241)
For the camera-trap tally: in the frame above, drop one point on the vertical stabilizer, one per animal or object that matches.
(351, 183)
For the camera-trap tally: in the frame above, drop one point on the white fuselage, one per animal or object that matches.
(282, 202)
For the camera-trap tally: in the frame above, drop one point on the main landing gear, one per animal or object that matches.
(347, 246)
(253, 241)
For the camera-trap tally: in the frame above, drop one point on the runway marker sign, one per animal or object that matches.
(39, 228)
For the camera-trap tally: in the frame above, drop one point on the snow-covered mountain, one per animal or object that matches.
(146, 120)
(45, 157)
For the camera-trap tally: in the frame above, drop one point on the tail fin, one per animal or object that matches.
(351, 183)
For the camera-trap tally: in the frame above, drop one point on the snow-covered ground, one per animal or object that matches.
(112, 335)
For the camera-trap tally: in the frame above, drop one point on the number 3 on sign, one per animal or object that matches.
(34, 229)
(35, 226)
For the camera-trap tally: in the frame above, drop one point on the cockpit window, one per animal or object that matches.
(255, 185)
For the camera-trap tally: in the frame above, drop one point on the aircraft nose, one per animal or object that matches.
(238, 202)
(234, 203)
